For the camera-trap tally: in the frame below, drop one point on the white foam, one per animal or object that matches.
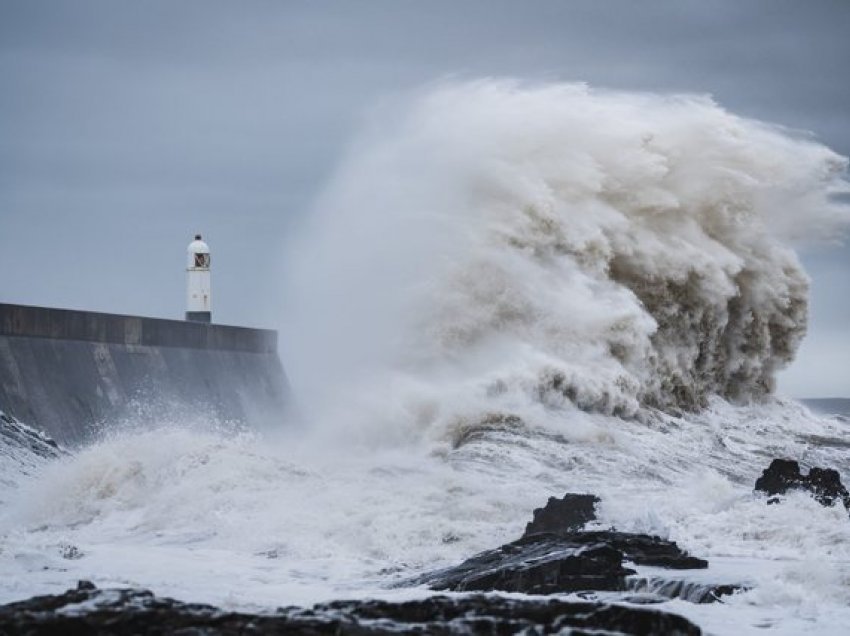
(246, 522)
(550, 242)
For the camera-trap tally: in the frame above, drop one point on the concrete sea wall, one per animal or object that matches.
(72, 374)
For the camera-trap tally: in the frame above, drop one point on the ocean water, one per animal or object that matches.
(254, 522)
(507, 292)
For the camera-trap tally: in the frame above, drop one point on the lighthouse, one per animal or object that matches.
(198, 297)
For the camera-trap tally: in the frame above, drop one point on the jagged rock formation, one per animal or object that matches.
(23, 451)
(547, 563)
(657, 589)
(784, 474)
(555, 556)
(88, 610)
(16, 434)
(571, 512)
(537, 564)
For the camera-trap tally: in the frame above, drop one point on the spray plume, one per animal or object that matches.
(498, 247)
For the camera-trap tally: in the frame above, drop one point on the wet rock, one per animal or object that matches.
(23, 452)
(87, 610)
(566, 517)
(536, 564)
(699, 592)
(823, 483)
(496, 615)
(567, 514)
(547, 563)
(645, 549)
(554, 555)
(15, 434)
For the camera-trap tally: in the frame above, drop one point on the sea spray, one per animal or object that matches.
(499, 246)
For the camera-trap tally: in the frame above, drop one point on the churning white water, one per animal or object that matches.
(507, 292)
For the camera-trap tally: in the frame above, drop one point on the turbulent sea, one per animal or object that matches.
(507, 292)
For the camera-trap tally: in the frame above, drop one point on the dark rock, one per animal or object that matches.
(536, 564)
(692, 591)
(823, 483)
(568, 514)
(826, 485)
(645, 549)
(14, 434)
(497, 615)
(569, 562)
(571, 513)
(554, 555)
(87, 610)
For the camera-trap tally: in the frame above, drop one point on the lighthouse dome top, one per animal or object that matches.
(198, 246)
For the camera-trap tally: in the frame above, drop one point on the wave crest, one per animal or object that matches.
(608, 250)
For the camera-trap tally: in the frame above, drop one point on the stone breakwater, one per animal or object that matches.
(69, 373)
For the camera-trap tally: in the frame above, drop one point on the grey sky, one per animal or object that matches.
(126, 126)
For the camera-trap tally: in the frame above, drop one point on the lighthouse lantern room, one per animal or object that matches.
(198, 297)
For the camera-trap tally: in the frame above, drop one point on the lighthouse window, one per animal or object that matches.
(202, 260)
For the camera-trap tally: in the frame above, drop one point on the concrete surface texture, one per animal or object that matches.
(75, 374)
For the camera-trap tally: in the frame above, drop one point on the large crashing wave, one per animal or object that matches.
(555, 245)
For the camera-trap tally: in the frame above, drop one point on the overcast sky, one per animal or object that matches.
(127, 126)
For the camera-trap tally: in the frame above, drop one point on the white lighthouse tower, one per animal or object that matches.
(198, 297)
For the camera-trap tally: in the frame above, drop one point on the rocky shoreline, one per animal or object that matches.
(561, 559)
(88, 610)
(557, 554)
